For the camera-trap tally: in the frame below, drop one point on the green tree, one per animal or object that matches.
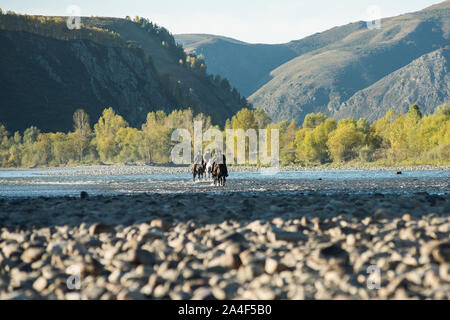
(30, 135)
(156, 143)
(178, 119)
(344, 143)
(383, 128)
(261, 118)
(370, 140)
(62, 148)
(4, 145)
(4, 134)
(244, 119)
(298, 143)
(15, 156)
(42, 150)
(287, 144)
(312, 120)
(312, 143)
(205, 120)
(129, 140)
(431, 137)
(82, 132)
(17, 139)
(363, 125)
(228, 124)
(443, 110)
(106, 129)
(414, 111)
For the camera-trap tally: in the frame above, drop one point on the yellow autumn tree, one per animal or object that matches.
(106, 130)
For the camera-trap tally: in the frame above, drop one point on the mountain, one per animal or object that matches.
(425, 81)
(247, 66)
(323, 79)
(49, 71)
(328, 71)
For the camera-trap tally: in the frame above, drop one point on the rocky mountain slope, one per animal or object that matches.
(425, 81)
(248, 65)
(323, 79)
(331, 68)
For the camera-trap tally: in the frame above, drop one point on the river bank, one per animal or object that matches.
(162, 169)
(240, 245)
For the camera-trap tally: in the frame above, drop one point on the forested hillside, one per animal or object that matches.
(49, 71)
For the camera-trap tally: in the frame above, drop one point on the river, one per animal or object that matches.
(132, 180)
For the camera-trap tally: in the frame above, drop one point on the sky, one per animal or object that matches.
(254, 21)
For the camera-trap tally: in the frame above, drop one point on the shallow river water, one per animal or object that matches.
(70, 182)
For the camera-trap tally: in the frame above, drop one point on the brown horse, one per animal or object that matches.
(219, 174)
(198, 170)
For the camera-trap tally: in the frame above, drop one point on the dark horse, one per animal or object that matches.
(198, 170)
(219, 174)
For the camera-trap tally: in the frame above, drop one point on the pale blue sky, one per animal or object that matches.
(255, 21)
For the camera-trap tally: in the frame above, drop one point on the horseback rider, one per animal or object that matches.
(198, 158)
(221, 160)
(207, 156)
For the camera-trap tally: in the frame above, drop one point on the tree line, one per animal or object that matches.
(409, 138)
